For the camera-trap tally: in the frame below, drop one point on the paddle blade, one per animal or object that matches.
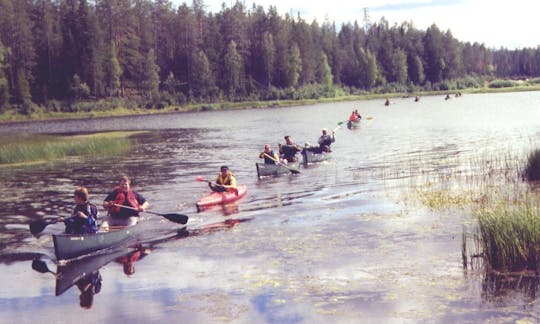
(177, 218)
(40, 266)
(201, 179)
(340, 123)
(294, 171)
(37, 226)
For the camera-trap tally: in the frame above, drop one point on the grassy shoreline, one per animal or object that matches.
(34, 149)
(14, 117)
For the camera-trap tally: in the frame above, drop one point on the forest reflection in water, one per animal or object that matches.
(344, 240)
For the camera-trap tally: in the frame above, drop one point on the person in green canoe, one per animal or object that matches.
(84, 217)
(268, 155)
(123, 205)
(289, 150)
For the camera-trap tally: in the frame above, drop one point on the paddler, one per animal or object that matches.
(123, 195)
(268, 155)
(225, 181)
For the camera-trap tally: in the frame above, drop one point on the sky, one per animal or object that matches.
(495, 23)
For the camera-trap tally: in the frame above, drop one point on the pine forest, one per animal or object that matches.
(73, 55)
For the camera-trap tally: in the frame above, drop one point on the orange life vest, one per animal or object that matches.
(121, 198)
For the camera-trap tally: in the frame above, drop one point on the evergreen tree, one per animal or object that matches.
(21, 60)
(232, 70)
(369, 72)
(399, 67)
(150, 78)
(22, 95)
(203, 82)
(324, 72)
(4, 85)
(269, 57)
(90, 48)
(114, 71)
(416, 70)
(433, 47)
(294, 66)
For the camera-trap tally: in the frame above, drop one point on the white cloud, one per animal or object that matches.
(494, 23)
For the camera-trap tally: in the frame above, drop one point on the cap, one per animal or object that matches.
(325, 130)
(224, 167)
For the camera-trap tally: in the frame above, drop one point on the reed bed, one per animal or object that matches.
(506, 225)
(510, 237)
(532, 169)
(37, 148)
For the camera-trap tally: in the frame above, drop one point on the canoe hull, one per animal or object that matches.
(312, 157)
(69, 274)
(265, 170)
(221, 198)
(69, 246)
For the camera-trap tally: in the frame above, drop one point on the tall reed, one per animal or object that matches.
(510, 236)
(532, 169)
(47, 147)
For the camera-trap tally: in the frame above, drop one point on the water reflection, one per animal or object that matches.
(499, 287)
(84, 273)
(315, 234)
(128, 260)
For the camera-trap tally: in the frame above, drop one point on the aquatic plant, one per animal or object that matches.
(510, 236)
(47, 147)
(532, 169)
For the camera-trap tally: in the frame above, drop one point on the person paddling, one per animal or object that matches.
(326, 140)
(225, 181)
(84, 217)
(289, 150)
(268, 155)
(123, 196)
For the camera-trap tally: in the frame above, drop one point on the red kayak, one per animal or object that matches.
(221, 198)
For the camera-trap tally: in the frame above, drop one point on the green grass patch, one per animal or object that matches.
(510, 237)
(36, 148)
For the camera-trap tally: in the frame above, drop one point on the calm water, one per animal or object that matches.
(343, 241)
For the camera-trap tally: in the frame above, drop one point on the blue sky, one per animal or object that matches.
(511, 24)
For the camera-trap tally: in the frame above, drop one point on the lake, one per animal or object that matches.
(346, 240)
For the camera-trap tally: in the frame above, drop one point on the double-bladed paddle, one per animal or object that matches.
(293, 171)
(202, 179)
(173, 217)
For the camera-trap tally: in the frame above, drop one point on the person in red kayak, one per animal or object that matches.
(225, 181)
(123, 196)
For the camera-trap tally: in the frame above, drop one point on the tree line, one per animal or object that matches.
(59, 54)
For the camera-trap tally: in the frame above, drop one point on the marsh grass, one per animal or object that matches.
(37, 148)
(532, 169)
(510, 236)
(506, 230)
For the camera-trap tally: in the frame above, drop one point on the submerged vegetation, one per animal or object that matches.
(39, 148)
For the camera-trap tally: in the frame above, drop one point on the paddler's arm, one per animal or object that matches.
(144, 206)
